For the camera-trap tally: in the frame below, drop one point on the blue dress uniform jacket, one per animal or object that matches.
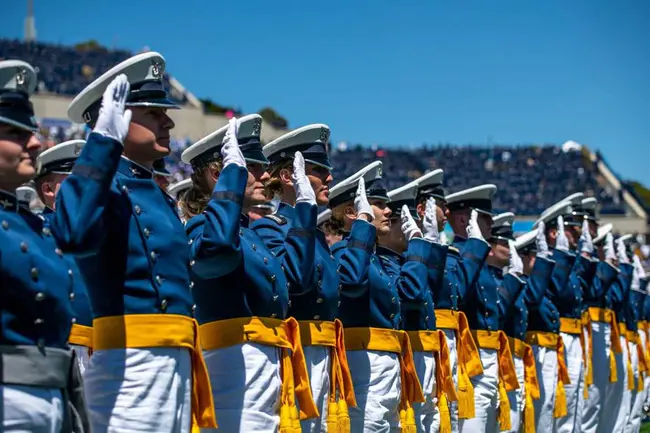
(596, 294)
(318, 298)
(479, 301)
(417, 314)
(509, 289)
(462, 269)
(634, 307)
(35, 280)
(125, 233)
(374, 299)
(646, 306)
(618, 293)
(544, 316)
(83, 314)
(568, 298)
(235, 274)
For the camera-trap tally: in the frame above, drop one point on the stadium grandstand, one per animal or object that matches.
(530, 177)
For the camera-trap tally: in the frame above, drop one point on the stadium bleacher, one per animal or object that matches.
(530, 178)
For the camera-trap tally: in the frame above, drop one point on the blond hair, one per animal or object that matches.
(194, 201)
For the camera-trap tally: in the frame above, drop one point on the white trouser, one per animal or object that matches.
(377, 386)
(27, 409)
(140, 390)
(83, 359)
(318, 367)
(486, 396)
(602, 348)
(617, 402)
(450, 336)
(246, 386)
(636, 397)
(547, 376)
(517, 398)
(427, 414)
(572, 423)
(643, 338)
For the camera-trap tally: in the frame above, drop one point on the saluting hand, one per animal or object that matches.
(515, 264)
(230, 151)
(430, 223)
(304, 191)
(586, 243)
(610, 253)
(113, 120)
(622, 254)
(540, 240)
(361, 204)
(473, 229)
(562, 242)
(409, 227)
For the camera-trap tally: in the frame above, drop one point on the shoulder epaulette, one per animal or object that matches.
(278, 219)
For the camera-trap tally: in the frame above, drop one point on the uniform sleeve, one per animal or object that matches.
(468, 269)
(214, 235)
(538, 282)
(412, 280)
(83, 199)
(620, 287)
(605, 275)
(560, 277)
(353, 256)
(437, 264)
(585, 269)
(508, 292)
(297, 249)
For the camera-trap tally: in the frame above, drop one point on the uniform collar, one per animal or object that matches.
(497, 272)
(384, 251)
(286, 210)
(458, 241)
(244, 221)
(133, 169)
(8, 201)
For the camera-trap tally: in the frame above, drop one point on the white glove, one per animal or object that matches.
(361, 205)
(409, 227)
(636, 273)
(586, 243)
(540, 240)
(430, 223)
(636, 262)
(515, 265)
(113, 120)
(562, 242)
(230, 151)
(620, 250)
(304, 191)
(473, 230)
(610, 253)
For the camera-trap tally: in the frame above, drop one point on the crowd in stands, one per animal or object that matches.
(68, 70)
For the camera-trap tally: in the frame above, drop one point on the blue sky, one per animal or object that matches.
(398, 73)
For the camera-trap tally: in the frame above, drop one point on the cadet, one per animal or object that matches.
(636, 351)
(242, 289)
(147, 371)
(513, 319)
(617, 401)
(315, 305)
(379, 354)
(470, 215)
(40, 379)
(53, 166)
(601, 319)
(542, 332)
(462, 269)
(430, 351)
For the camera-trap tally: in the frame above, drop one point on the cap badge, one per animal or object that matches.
(77, 148)
(324, 135)
(157, 69)
(257, 126)
(21, 77)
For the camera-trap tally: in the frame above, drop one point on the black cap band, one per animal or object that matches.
(16, 107)
(481, 204)
(315, 153)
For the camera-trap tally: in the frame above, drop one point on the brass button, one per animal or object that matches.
(159, 279)
(40, 296)
(5, 225)
(319, 300)
(275, 298)
(191, 284)
(147, 232)
(71, 296)
(392, 315)
(38, 322)
(23, 247)
(272, 278)
(137, 210)
(34, 273)
(154, 256)
(192, 262)
(59, 252)
(273, 315)
(70, 273)
(266, 260)
(393, 300)
(74, 320)
(254, 247)
(47, 231)
(163, 304)
(316, 317)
